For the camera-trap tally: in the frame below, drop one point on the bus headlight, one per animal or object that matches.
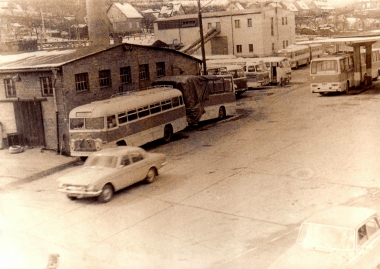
(98, 144)
(72, 144)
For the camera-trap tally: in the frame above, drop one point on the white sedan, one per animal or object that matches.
(110, 170)
(340, 237)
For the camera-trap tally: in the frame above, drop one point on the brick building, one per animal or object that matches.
(39, 90)
(244, 33)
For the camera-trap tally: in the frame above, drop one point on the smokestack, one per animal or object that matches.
(98, 23)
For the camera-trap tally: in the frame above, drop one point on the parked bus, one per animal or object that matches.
(206, 97)
(237, 73)
(132, 118)
(279, 69)
(375, 63)
(334, 73)
(316, 50)
(297, 54)
(254, 68)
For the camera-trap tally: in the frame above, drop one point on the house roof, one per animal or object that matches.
(128, 10)
(47, 60)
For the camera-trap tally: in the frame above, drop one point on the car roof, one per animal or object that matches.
(342, 216)
(117, 151)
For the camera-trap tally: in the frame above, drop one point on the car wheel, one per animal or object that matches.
(168, 133)
(72, 198)
(221, 113)
(151, 175)
(106, 194)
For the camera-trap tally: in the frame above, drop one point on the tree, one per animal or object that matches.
(148, 21)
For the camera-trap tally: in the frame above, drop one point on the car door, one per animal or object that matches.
(139, 167)
(122, 179)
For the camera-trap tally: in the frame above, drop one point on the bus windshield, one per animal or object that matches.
(326, 66)
(87, 123)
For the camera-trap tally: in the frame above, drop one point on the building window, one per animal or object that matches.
(144, 71)
(81, 82)
(286, 20)
(10, 88)
(190, 23)
(237, 23)
(125, 75)
(249, 22)
(283, 44)
(283, 20)
(272, 46)
(46, 86)
(218, 26)
(287, 44)
(250, 47)
(160, 68)
(239, 48)
(271, 27)
(104, 78)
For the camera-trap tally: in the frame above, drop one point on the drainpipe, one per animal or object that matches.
(56, 107)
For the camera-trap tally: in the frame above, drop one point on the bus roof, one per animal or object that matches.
(330, 57)
(274, 59)
(125, 102)
(230, 67)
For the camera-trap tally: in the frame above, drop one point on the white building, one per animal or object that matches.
(244, 33)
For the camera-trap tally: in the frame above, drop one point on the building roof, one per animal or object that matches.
(323, 5)
(47, 60)
(128, 10)
(213, 14)
(290, 6)
(301, 5)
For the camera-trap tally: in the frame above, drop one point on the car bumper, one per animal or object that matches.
(80, 193)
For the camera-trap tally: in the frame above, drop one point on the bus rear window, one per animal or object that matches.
(329, 66)
(94, 123)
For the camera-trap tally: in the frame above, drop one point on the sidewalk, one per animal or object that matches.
(30, 165)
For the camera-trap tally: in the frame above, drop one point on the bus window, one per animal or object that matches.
(210, 87)
(155, 108)
(122, 118)
(167, 104)
(76, 124)
(251, 68)
(95, 123)
(175, 101)
(218, 85)
(143, 111)
(111, 121)
(132, 115)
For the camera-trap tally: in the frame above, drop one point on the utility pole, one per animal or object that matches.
(202, 38)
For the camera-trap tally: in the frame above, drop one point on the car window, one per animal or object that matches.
(136, 156)
(125, 161)
(362, 235)
(372, 227)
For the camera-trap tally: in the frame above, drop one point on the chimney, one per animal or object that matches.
(98, 22)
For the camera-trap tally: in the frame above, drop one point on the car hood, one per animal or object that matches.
(85, 175)
(298, 257)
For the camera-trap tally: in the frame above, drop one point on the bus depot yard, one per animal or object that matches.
(232, 194)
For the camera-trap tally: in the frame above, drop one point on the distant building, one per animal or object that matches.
(234, 6)
(245, 33)
(37, 91)
(171, 10)
(124, 18)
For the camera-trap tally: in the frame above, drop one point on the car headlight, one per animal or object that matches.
(98, 144)
(90, 187)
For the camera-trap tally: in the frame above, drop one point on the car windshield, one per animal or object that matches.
(330, 238)
(101, 161)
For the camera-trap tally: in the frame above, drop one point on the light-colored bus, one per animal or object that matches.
(297, 54)
(255, 70)
(334, 73)
(279, 69)
(206, 97)
(132, 118)
(237, 73)
(316, 50)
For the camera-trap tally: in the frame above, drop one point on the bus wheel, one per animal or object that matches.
(106, 194)
(221, 113)
(121, 143)
(168, 133)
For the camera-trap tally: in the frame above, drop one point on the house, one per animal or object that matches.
(243, 33)
(124, 18)
(171, 10)
(39, 89)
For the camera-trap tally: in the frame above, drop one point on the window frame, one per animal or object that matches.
(81, 82)
(10, 88)
(250, 47)
(239, 49)
(46, 88)
(249, 22)
(143, 72)
(160, 69)
(125, 75)
(237, 23)
(104, 77)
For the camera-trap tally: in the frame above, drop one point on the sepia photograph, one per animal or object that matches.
(189, 134)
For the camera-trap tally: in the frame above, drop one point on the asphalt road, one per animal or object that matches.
(231, 196)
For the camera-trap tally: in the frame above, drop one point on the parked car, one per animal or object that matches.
(109, 170)
(340, 237)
